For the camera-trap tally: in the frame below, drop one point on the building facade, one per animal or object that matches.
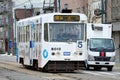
(113, 16)
(108, 6)
(6, 23)
(84, 6)
(94, 6)
(79, 6)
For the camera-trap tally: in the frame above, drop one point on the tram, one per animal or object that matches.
(53, 41)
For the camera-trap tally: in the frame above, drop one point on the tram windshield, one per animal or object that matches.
(99, 44)
(64, 32)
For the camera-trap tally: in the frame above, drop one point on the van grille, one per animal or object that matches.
(98, 58)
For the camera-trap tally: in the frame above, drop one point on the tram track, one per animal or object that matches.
(47, 76)
(77, 75)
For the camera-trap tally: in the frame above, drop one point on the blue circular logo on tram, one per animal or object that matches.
(45, 53)
(80, 45)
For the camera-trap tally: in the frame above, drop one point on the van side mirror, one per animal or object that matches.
(119, 45)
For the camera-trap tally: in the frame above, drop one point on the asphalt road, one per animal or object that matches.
(11, 70)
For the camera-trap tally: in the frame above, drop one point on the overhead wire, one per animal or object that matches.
(22, 3)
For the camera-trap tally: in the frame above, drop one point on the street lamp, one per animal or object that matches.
(66, 6)
(24, 11)
(9, 32)
(59, 5)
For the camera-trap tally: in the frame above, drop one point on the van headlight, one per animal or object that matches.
(112, 59)
(91, 58)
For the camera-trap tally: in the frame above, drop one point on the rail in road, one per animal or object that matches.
(9, 62)
(113, 74)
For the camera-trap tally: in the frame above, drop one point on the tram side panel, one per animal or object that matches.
(41, 52)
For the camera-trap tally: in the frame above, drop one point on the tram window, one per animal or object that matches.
(46, 32)
(24, 34)
(40, 30)
(21, 34)
(27, 33)
(37, 32)
(18, 34)
(34, 35)
(23, 37)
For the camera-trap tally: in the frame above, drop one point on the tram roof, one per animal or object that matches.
(49, 17)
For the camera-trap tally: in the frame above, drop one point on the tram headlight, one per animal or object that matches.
(90, 58)
(53, 53)
(112, 59)
(75, 53)
(78, 53)
(57, 53)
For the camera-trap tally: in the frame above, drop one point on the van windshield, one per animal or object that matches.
(100, 44)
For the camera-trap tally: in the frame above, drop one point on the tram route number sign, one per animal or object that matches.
(66, 18)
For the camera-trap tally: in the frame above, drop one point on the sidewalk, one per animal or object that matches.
(117, 66)
(7, 57)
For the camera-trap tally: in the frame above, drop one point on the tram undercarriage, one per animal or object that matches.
(64, 66)
(58, 66)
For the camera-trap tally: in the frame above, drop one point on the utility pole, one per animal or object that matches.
(10, 28)
(102, 11)
(48, 7)
(15, 36)
(59, 5)
(31, 8)
(55, 5)
(24, 11)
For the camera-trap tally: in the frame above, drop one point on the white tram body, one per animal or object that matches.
(54, 41)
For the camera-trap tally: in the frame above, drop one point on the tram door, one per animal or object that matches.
(32, 42)
(27, 45)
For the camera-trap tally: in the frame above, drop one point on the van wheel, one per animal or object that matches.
(109, 68)
(35, 65)
(88, 67)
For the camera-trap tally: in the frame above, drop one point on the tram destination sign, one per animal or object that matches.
(66, 18)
